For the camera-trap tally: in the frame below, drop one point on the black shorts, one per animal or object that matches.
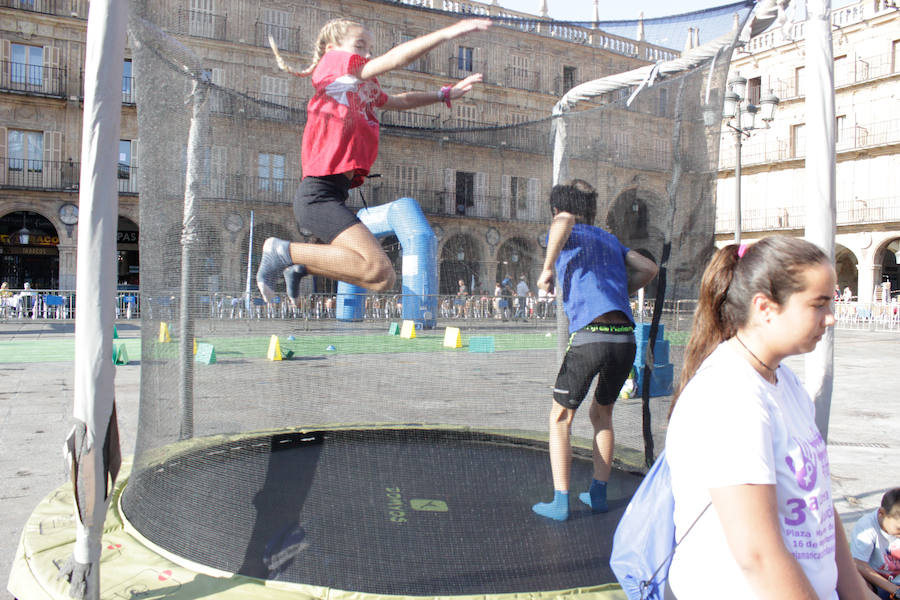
(604, 350)
(319, 207)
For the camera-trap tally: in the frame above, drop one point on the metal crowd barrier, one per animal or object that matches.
(20, 304)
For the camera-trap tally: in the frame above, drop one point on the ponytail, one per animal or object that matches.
(710, 327)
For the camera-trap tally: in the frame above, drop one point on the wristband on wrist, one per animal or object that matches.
(445, 95)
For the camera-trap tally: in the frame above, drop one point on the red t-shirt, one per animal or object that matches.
(341, 131)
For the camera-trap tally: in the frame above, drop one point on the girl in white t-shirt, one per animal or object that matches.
(742, 435)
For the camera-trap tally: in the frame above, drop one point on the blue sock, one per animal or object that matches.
(558, 509)
(596, 496)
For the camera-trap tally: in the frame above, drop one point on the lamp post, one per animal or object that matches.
(740, 116)
(24, 234)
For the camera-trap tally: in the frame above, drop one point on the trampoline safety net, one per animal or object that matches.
(376, 451)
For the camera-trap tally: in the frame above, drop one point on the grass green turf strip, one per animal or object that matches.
(61, 350)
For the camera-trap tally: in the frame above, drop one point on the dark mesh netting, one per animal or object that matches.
(365, 458)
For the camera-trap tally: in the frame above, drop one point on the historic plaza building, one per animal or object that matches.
(485, 199)
(485, 196)
(866, 42)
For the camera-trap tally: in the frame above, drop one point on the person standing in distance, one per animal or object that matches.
(340, 144)
(597, 274)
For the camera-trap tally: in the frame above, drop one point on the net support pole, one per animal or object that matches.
(92, 449)
(820, 186)
(560, 175)
(189, 238)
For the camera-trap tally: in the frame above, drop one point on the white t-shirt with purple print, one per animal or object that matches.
(732, 427)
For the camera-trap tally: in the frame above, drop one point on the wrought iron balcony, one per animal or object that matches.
(33, 80)
(55, 175)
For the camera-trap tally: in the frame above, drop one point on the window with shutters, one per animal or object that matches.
(798, 140)
(464, 58)
(127, 175)
(202, 20)
(26, 66)
(25, 163)
(407, 178)
(275, 24)
(465, 191)
(270, 172)
(127, 83)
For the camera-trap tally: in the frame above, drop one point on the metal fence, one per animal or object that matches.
(484, 309)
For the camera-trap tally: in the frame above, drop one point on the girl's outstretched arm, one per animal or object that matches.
(407, 100)
(407, 52)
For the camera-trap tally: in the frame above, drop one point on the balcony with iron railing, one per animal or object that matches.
(460, 68)
(55, 175)
(270, 107)
(61, 8)
(288, 39)
(764, 149)
(522, 79)
(33, 80)
(869, 211)
(197, 23)
(846, 73)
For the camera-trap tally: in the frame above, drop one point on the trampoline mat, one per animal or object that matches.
(384, 511)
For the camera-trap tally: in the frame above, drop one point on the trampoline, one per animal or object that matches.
(387, 511)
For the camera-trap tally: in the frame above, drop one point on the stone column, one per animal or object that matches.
(66, 265)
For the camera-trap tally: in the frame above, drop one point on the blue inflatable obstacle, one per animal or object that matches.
(662, 373)
(405, 219)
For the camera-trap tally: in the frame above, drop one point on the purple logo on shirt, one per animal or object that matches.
(804, 468)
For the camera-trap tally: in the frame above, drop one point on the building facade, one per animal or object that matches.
(485, 196)
(866, 48)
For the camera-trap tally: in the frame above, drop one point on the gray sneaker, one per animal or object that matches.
(292, 277)
(276, 257)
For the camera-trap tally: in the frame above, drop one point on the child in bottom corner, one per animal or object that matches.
(875, 545)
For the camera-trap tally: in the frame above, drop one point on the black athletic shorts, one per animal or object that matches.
(319, 207)
(604, 350)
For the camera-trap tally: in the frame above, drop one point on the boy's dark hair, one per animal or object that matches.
(890, 500)
(577, 197)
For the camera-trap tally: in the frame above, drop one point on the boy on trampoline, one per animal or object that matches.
(340, 144)
(597, 275)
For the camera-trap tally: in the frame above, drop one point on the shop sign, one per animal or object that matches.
(33, 240)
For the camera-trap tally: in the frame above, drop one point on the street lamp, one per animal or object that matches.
(23, 233)
(740, 116)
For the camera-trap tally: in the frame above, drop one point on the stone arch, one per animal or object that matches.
(886, 258)
(37, 261)
(460, 258)
(518, 255)
(846, 265)
(634, 217)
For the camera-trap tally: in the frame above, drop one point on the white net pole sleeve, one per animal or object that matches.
(820, 185)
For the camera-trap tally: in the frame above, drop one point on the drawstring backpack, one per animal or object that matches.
(644, 542)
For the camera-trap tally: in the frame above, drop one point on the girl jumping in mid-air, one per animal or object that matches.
(742, 438)
(340, 144)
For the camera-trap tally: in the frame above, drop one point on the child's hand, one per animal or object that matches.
(464, 86)
(545, 280)
(468, 26)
